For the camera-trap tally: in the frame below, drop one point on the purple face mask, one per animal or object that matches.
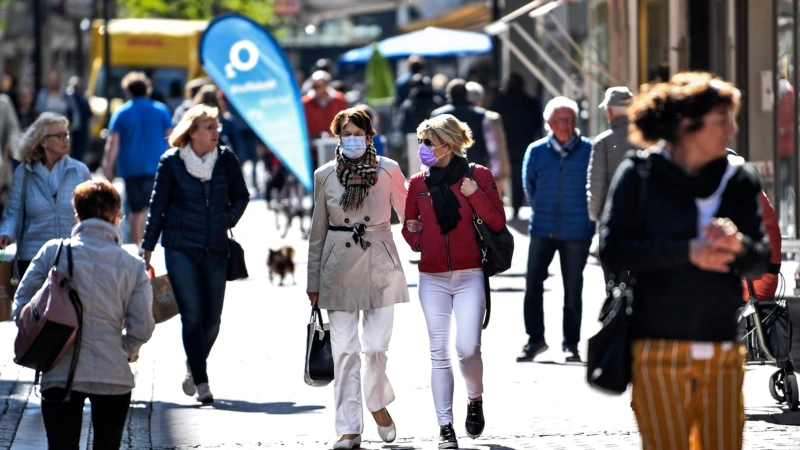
(427, 155)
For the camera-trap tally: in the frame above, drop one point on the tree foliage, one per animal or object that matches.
(259, 10)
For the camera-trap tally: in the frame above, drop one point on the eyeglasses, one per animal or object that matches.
(60, 136)
(212, 128)
(426, 142)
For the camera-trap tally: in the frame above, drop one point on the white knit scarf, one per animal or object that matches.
(200, 168)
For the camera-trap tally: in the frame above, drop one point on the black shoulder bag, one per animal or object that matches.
(237, 267)
(608, 365)
(496, 249)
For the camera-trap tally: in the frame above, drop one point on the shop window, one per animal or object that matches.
(596, 49)
(654, 40)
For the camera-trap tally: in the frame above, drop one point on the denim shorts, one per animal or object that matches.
(138, 191)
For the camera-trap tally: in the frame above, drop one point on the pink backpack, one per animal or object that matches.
(51, 323)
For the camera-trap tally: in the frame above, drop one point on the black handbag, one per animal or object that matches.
(237, 269)
(319, 357)
(609, 360)
(497, 249)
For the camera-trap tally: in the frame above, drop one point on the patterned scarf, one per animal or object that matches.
(356, 177)
(200, 168)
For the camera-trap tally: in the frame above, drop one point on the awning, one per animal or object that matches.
(471, 17)
(430, 42)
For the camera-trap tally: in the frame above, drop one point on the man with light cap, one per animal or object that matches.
(608, 150)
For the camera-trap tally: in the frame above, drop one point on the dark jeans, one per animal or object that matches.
(63, 420)
(573, 255)
(198, 281)
(517, 189)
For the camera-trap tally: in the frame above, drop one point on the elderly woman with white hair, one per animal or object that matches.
(40, 207)
(554, 171)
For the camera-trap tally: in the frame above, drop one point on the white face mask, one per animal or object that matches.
(353, 147)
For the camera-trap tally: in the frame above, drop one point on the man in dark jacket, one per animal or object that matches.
(554, 170)
(522, 120)
(403, 85)
(418, 106)
(80, 138)
(463, 110)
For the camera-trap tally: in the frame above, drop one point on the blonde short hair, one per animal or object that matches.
(446, 129)
(195, 114)
(30, 150)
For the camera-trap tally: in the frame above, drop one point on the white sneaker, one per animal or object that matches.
(348, 444)
(188, 382)
(204, 394)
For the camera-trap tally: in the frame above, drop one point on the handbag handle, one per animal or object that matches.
(751, 288)
(316, 315)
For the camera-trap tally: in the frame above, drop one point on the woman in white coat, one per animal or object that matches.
(354, 271)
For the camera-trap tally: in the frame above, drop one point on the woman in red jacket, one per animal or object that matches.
(768, 283)
(451, 279)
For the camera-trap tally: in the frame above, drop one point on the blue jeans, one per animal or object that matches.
(198, 281)
(573, 255)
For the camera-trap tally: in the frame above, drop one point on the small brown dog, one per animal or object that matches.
(281, 263)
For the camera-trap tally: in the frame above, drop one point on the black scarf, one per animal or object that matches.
(445, 202)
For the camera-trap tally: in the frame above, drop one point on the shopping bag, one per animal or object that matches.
(319, 358)
(165, 306)
(6, 288)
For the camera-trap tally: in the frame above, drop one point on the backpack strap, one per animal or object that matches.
(69, 259)
(58, 253)
(76, 345)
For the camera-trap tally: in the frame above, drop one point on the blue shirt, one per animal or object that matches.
(142, 125)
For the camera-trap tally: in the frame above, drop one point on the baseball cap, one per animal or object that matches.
(617, 96)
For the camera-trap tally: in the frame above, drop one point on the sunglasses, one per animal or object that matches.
(426, 142)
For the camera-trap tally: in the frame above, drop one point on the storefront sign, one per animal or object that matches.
(286, 7)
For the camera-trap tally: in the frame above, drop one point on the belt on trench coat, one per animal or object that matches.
(359, 229)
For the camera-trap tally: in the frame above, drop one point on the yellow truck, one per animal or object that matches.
(165, 49)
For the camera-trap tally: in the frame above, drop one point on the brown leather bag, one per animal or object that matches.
(51, 323)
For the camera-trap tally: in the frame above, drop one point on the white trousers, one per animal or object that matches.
(442, 296)
(377, 332)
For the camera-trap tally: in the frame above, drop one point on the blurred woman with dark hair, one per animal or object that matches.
(697, 233)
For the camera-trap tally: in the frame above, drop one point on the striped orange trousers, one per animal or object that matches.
(688, 396)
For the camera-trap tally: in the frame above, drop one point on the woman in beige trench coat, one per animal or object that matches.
(354, 271)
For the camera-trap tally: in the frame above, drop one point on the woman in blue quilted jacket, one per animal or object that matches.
(199, 194)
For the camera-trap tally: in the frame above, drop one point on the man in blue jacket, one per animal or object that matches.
(554, 171)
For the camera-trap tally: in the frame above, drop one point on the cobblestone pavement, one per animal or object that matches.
(262, 402)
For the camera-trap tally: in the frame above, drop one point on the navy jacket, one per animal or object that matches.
(193, 215)
(556, 190)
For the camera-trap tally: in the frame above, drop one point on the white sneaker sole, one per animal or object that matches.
(448, 445)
